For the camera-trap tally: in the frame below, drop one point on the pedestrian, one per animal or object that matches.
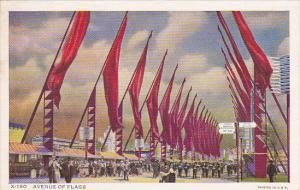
(119, 168)
(164, 173)
(172, 176)
(180, 167)
(219, 170)
(228, 167)
(206, 170)
(54, 170)
(213, 170)
(271, 170)
(194, 171)
(186, 169)
(126, 170)
(68, 170)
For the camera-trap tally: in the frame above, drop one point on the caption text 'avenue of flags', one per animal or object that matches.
(69, 52)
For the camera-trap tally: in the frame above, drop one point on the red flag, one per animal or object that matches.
(152, 100)
(195, 127)
(188, 127)
(164, 111)
(69, 52)
(111, 76)
(135, 88)
(240, 72)
(258, 56)
(180, 121)
(174, 116)
(237, 53)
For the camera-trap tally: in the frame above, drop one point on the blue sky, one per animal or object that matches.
(191, 37)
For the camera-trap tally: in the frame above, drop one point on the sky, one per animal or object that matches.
(192, 40)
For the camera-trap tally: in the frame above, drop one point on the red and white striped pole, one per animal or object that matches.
(163, 151)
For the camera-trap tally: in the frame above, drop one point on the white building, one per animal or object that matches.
(58, 143)
(110, 142)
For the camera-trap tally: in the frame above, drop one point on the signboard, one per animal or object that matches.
(139, 143)
(247, 125)
(280, 79)
(227, 130)
(226, 125)
(86, 133)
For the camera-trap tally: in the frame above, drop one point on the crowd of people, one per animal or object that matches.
(68, 168)
(194, 170)
(166, 171)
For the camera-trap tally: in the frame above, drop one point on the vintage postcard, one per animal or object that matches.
(121, 94)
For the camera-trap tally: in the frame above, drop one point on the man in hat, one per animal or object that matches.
(68, 170)
(53, 170)
(271, 170)
(125, 167)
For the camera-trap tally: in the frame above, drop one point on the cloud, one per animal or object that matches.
(24, 38)
(199, 67)
(26, 78)
(137, 38)
(180, 25)
(260, 20)
(283, 48)
(265, 20)
(193, 63)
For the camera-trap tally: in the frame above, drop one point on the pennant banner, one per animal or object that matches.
(69, 52)
(152, 100)
(110, 78)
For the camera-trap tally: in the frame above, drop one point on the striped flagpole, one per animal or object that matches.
(171, 151)
(48, 120)
(152, 147)
(119, 142)
(163, 151)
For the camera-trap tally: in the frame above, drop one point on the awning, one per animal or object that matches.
(71, 152)
(110, 155)
(131, 156)
(18, 148)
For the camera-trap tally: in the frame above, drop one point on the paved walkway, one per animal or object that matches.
(145, 178)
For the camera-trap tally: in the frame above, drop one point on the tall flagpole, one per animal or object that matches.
(98, 78)
(44, 86)
(125, 93)
(141, 109)
(158, 109)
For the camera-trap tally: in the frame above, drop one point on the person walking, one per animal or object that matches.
(186, 169)
(164, 173)
(180, 167)
(172, 176)
(125, 167)
(271, 170)
(54, 170)
(194, 171)
(219, 170)
(67, 170)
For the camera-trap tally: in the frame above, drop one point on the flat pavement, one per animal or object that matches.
(145, 178)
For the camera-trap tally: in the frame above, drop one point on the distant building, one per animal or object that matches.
(58, 143)
(110, 142)
(16, 132)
